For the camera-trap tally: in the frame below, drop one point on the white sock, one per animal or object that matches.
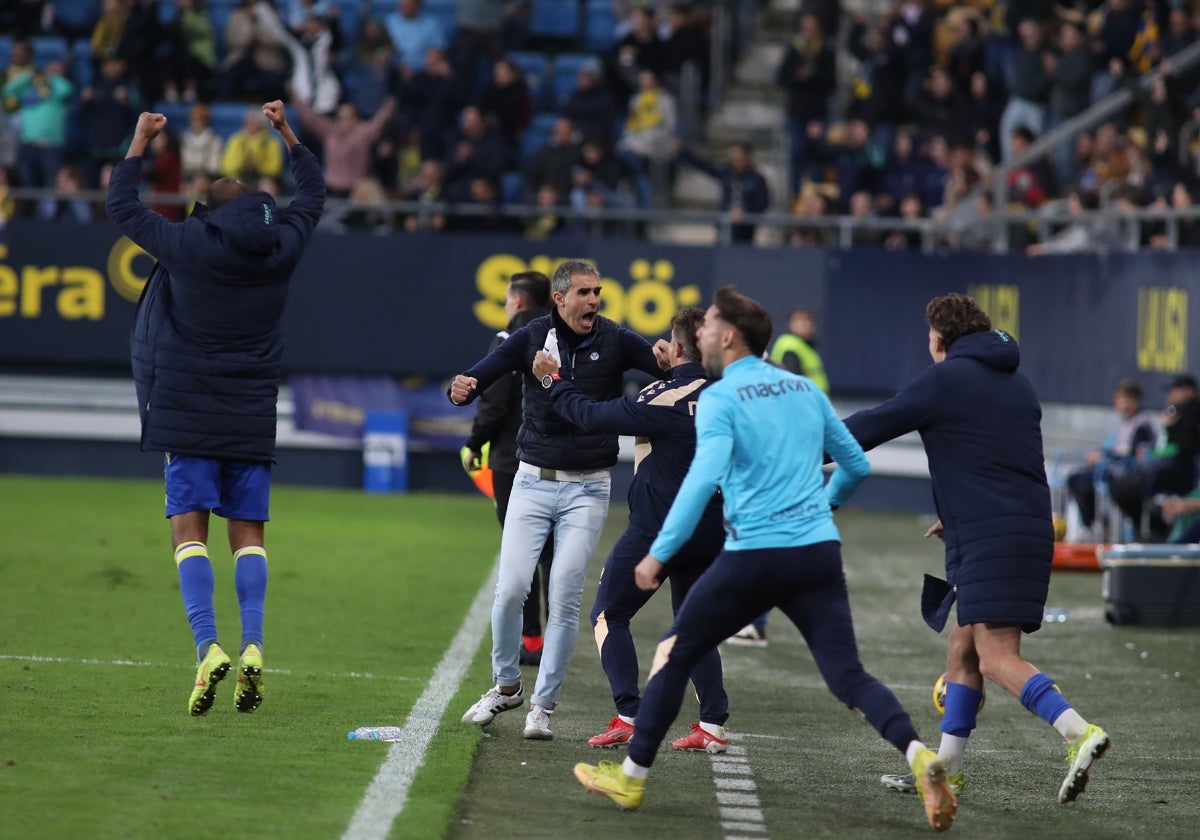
(633, 770)
(714, 729)
(625, 719)
(951, 751)
(1070, 725)
(911, 752)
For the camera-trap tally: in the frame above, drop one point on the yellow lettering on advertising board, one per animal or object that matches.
(1162, 341)
(72, 292)
(645, 303)
(1002, 303)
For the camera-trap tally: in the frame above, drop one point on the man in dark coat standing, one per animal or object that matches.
(206, 349)
(980, 422)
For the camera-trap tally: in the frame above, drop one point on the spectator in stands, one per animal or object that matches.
(506, 101)
(1032, 183)
(479, 31)
(597, 172)
(25, 18)
(200, 146)
(164, 173)
(1070, 91)
(685, 42)
(967, 54)
(1171, 469)
(43, 99)
(548, 224)
(425, 188)
(1107, 161)
(1165, 110)
(877, 91)
(1122, 451)
(434, 103)
(811, 204)
(939, 109)
(107, 109)
(641, 49)
(109, 32)
(478, 151)
(856, 159)
(744, 190)
(252, 152)
(983, 116)
(1083, 234)
(1113, 45)
(348, 142)
(295, 14)
(907, 238)
(193, 52)
(902, 172)
(414, 33)
(556, 161)
(649, 131)
(1187, 230)
(369, 76)
(590, 106)
(314, 78)
(808, 75)
(1031, 81)
(484, 192)
(65, 205)
(911, 28)
(256, 61)
(368, 209)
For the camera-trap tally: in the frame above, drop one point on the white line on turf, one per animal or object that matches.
(388, 792)
(131, 663)
(737, 801)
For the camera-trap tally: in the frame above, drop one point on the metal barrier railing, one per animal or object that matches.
(840, 232)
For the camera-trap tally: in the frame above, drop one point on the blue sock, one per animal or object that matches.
(1041, 696)
(196, 587)
(962, 707)
(250, 577)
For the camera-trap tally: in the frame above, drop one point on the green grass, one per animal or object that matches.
(379, 585)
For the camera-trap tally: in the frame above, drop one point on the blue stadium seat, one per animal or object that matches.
(564, 80)
(537, 74)
(76, 14)
(47, 48)
(599, 26)
(227, 117)
(219, 12)
(512, 187)
(536, 135)
(6, 45)
(554, 19)
(176, 114)
(81, 63)
(443, 12)
(167, 11)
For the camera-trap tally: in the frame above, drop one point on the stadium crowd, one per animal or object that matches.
(575, 103)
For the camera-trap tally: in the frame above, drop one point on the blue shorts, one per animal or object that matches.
(231, 489)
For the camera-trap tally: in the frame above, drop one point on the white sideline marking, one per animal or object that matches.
(388, 792)
(737, 801)
(131, 663)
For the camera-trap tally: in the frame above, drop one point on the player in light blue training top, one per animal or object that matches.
(762, 434)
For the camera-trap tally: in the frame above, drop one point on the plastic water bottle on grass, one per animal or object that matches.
(376, 733)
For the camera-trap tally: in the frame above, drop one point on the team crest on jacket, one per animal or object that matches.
(267, 215)
(595, 355)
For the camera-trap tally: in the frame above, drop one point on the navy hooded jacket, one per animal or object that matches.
(206, 342)
(980, 421)
(662, 416)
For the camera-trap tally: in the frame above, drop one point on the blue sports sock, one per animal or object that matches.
(962, 708)
(250, 577)
(1041, 696)
(196, 587)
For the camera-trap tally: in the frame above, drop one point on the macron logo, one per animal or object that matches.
(267, 216)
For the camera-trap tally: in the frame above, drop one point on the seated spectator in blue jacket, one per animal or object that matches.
(1121, 452)
(555, 162)
(478, 151)
(369, 76)
(743, 188)
(62, 206)
(433, 100)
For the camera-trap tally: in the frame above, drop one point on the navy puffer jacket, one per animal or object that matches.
(206, 342)
(980, 421)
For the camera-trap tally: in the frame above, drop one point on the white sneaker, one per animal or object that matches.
(749, 636)
(492, 703)
(537, 724)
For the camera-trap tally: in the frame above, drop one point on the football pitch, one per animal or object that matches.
(377, 613)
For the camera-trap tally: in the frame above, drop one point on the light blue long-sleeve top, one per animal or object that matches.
(761, 436)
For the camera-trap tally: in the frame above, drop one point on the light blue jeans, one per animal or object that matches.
(576, 510)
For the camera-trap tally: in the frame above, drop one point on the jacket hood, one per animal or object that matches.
(995, 348)
(249, 222)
